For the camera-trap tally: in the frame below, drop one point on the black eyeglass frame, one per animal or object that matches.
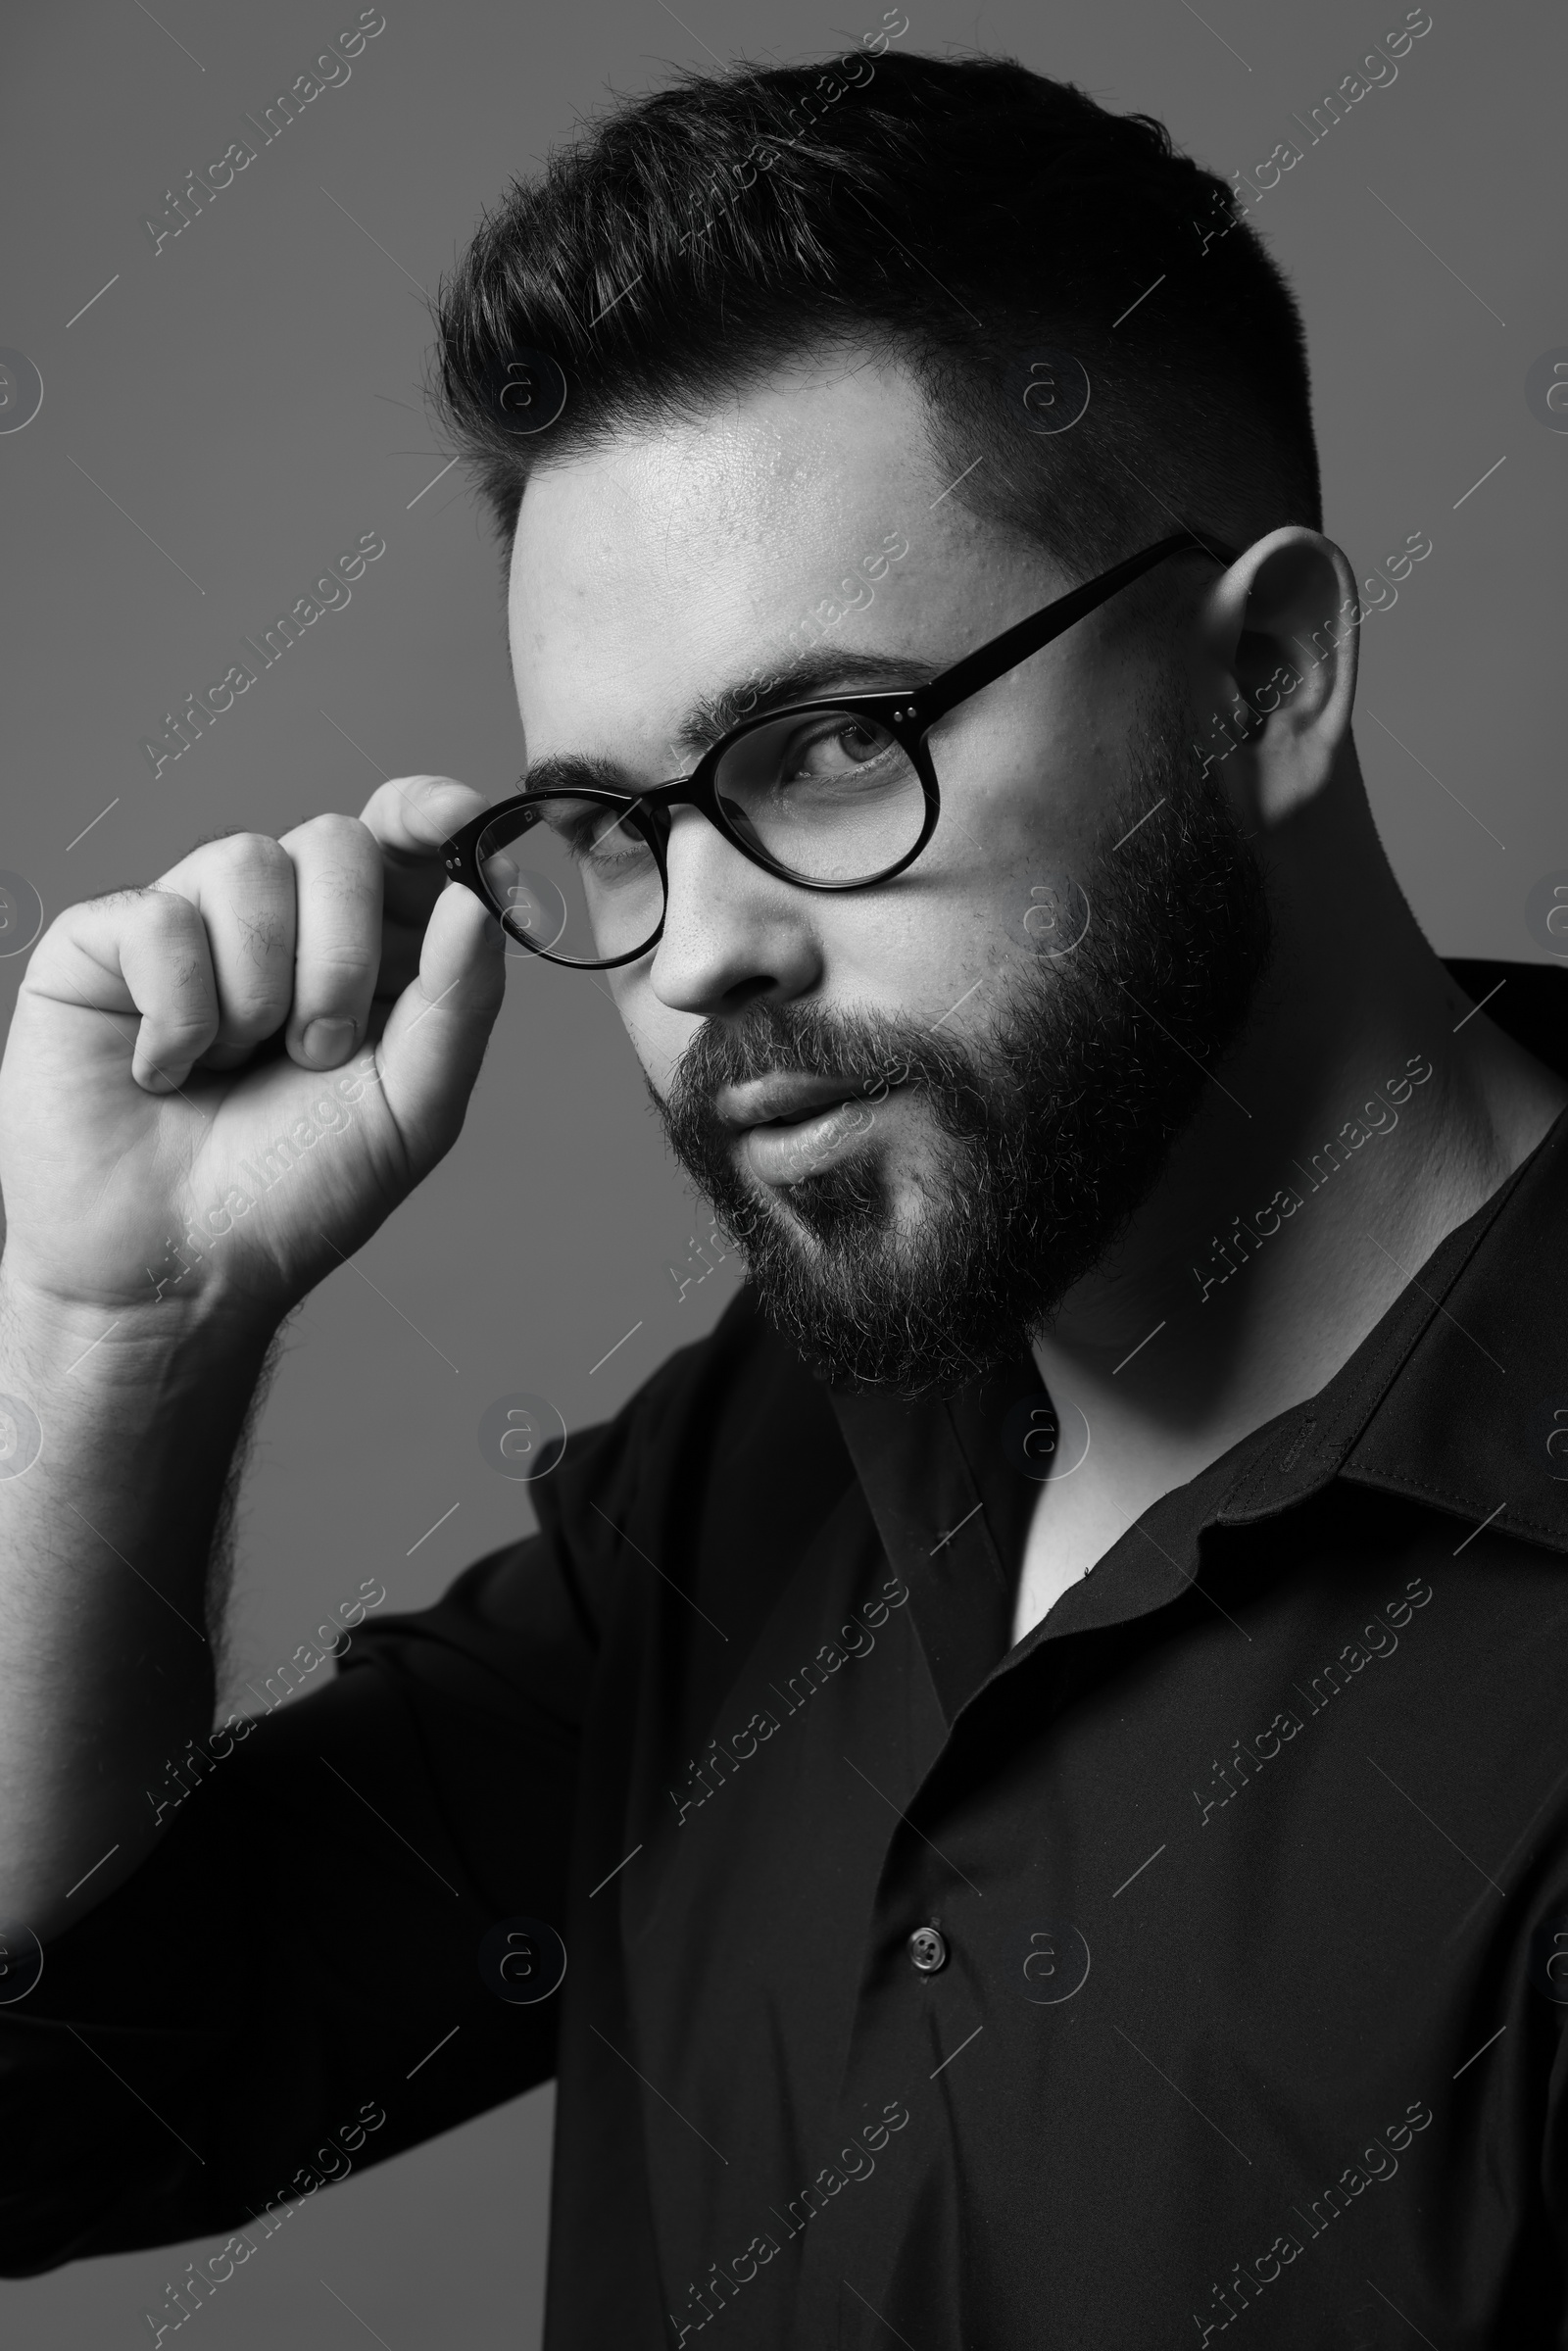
(907, 714)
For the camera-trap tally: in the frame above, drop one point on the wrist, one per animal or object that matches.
(50, 1340)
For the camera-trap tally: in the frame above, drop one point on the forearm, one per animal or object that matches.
(106, 1540)
(137, 1105)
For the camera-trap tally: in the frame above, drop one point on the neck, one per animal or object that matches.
(1361, 1118)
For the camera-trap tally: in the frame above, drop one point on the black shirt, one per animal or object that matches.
(1187, 1967)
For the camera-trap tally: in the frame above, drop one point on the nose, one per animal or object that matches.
(732, 932)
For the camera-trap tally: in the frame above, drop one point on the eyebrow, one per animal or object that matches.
(808, 677)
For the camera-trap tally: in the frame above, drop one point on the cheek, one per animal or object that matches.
(1036, 775)
(658, 1034)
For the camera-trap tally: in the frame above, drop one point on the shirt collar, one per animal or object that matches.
(1450, 1400)
(1469, 1421)
(952, 1513)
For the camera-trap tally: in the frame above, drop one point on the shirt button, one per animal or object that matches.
(928, 1950)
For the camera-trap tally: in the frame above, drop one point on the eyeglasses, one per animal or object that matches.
(834, 794)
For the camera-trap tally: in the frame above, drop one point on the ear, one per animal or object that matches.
(1277, 643)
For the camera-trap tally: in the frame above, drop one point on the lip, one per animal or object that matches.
(791, 1125)
(783, 1098)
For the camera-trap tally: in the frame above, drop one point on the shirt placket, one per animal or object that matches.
(952, 1509)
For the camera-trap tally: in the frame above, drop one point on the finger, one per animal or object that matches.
(435, 1038)
(410, 816)
(242, 886)
(139, 959)
(337, 946)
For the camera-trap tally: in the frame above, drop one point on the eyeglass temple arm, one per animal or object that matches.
(1014, 645)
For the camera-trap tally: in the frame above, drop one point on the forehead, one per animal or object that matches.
(681, 557)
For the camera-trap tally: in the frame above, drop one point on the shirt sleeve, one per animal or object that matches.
(290, 1986)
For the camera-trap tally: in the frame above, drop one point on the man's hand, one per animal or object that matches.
(216, 1087)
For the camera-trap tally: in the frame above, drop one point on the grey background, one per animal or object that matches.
(250, 398)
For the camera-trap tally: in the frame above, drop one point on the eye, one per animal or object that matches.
(840, 746)
(592, 832)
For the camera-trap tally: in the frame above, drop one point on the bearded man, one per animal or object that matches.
(1015, 1786)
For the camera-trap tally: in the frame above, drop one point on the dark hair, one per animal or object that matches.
(963, 216)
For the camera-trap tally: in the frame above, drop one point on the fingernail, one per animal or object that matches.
(325, 1041)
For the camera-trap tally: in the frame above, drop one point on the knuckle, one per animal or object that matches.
(247, 1024)
(339, 868)
(341, 898)
(338, 834)
(347, 894)
(340, 969)
(418, 811)
(169, 915)
(187, 1033)
(128, 900)
(422, 786)
(139, 921)
(248, 858)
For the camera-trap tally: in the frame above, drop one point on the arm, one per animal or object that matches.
(171, 1193)
(303, 1942)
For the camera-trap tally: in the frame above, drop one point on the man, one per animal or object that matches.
(1037, 1745)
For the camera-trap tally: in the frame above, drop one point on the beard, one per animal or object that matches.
(1051, 1128)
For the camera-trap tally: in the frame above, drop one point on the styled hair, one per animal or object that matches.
(964, 217)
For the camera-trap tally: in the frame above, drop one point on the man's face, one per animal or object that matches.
(921, 1128)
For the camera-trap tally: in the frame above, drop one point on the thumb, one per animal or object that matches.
(434, 1041)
